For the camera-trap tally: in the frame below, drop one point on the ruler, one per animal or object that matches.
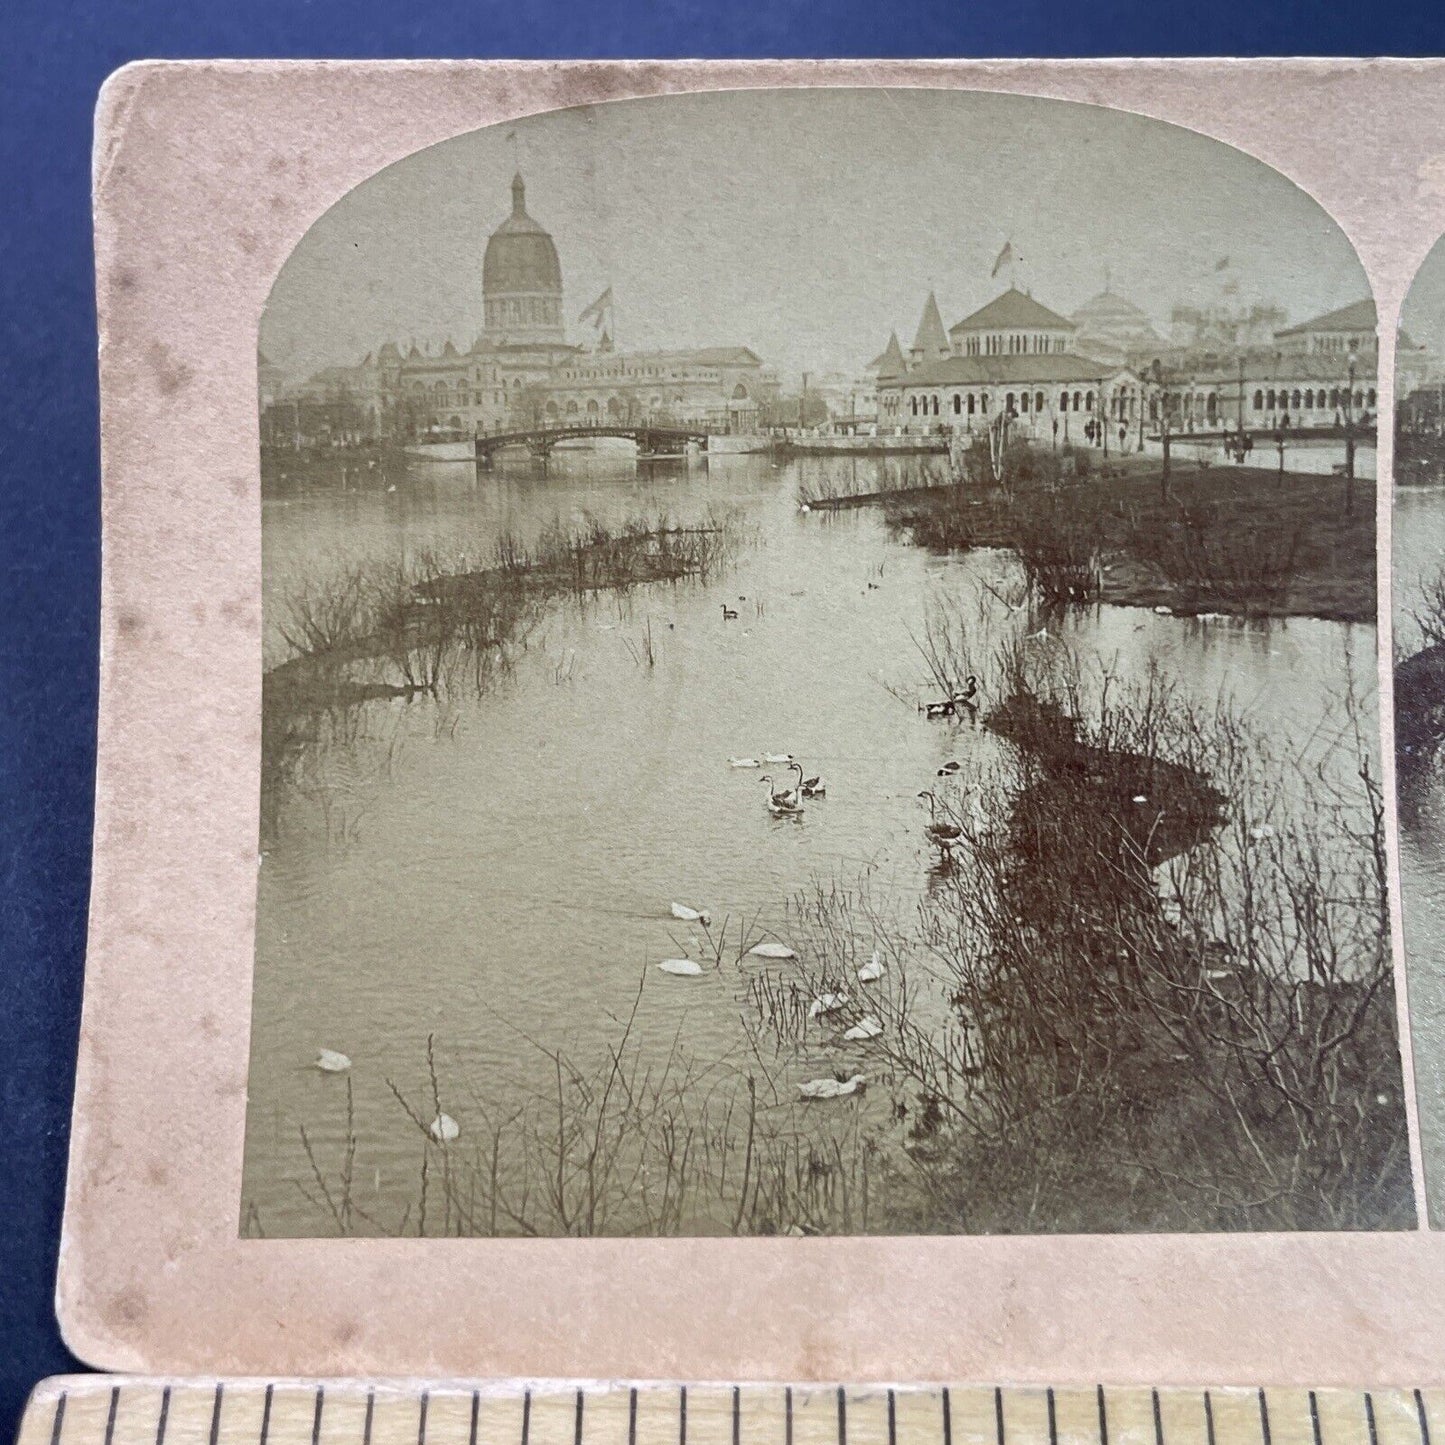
(131, 1410)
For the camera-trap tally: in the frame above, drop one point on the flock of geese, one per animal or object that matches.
(784, 801)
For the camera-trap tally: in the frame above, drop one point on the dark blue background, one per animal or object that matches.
(53, 58)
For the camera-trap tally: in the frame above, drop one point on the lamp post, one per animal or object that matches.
(1279, 442)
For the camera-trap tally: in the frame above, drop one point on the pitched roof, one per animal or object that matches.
(932, 339)
(889, 362)
(1014, 310)
(1357, 316)
(1043, 369)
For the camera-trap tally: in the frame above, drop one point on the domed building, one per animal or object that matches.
(521, 372)
(521, 281)
(1110, 328)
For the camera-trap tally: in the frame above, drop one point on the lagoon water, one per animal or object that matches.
(494, 869)
(1419, 557)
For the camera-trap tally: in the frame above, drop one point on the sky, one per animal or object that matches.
(1423, 313)
(805, 224)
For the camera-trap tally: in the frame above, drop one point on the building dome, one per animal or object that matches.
(1110, 327)
(521, 279)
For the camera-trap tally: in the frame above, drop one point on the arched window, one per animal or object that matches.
(1088, 401)
(1371, 396)
(1008, 405)
(1271, 398)
(571, 408)
(1076, 401)
(1063, 401)
(913, 405)
(1295, 399)
(1359, 398)
(971, 401)
(552, 409)
(1259, 401)
(1024, 403)
(957, 404)
(1038, 401)
(592, 407)
(740, 392)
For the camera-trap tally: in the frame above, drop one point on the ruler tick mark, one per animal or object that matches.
(632, 1416)
(370, 1411)
(998, 1413)
(421, 1418)
(1104, 1416)
(788, 1416)
(59, 1423)
(1370, 1418)
(1158, 1418)
(115, 1405)
(216, 1413)
(947, 1418)
(526, 1415)
(165, 1411)
(892, 1421)
(737, 1416)
(1264, 1418)
(316, 1415)
(842, 1416)
(577, 1422)
(476, 1408)
(1209, 1418)
(1315, 1419)
(1053, 1418)
(1424, 1419)
(682, 1416)
(266, 1415)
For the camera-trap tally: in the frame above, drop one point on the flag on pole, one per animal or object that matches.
(598, 310)
(1006, 257)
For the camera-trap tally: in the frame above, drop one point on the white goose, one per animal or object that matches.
(832, 1088)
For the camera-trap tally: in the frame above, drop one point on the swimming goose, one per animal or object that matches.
(942, 835)
(729, 613)
(831, 1088)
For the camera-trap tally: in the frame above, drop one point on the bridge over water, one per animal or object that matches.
(651, 440)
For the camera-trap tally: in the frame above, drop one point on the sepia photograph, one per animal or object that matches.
(1418, 574)
(820, 678)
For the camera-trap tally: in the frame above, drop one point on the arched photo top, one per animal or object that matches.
(810, 227)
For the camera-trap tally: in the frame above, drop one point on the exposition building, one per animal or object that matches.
(521, 371)
(1054, 375)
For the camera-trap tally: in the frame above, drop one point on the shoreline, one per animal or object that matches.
(1335, 579)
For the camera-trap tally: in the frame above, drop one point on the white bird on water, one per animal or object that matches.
(826, 1003)
(331, 1062)
(682, 967)
(744, 763)
(691, 915)
(872, 971)
(867, 1027)
(832, 1088)
(777, 757)
(771, 950)
(444, 1129)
